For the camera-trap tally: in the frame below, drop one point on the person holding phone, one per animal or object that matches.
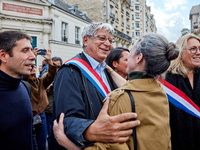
(39, 99)
(45, 65)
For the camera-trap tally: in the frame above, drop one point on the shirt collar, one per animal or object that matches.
(138, 75)
(95, 63)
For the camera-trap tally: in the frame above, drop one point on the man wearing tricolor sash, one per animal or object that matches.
(80, 87)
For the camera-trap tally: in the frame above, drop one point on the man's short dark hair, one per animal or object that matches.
(57, 59)
(8, 40)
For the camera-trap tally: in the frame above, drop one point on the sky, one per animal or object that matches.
(171, 16)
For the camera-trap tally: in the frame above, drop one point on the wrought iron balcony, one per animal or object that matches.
(112, 15)
(77, 42)
(122, 35)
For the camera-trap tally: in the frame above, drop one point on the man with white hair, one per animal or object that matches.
(80, 86)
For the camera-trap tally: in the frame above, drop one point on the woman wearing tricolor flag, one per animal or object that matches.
(184, 73)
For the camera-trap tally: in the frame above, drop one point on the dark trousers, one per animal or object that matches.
(49, 121)
(41, 132)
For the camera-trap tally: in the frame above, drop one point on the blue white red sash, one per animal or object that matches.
(180, 99)
(91, 74)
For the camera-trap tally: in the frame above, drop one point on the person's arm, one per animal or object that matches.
(49, 77)
(69, 98)
(58, 130)
(119, 80)
(111, 128)
(104, 129)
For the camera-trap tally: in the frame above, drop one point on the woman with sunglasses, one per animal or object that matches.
(184, 73)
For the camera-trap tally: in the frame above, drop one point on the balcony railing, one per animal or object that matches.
(127, 13)
(112, 15)
(64, 39)
(122, 35)
(77, 42)
(122, 10)
(195, 25)
(117, 19)
(122, 23)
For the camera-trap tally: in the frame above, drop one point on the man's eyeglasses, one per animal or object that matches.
(193, 50)
(103, 38)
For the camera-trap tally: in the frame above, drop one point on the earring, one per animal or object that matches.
(115, 69)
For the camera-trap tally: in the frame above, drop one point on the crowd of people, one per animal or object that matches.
(103, 98)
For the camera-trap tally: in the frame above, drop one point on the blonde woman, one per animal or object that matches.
(184, 73)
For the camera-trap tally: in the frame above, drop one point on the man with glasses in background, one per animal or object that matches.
(80, 86)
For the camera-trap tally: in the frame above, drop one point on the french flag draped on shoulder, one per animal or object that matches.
(91, 74)
(180, 99)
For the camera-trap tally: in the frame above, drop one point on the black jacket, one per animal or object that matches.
(77, 97)
(185, 128)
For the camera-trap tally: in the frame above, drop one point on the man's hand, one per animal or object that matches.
(35, 51)
(58, 130)
(47, 54)
(111, 128)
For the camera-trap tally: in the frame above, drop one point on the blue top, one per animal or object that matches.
(99, 68)
(16, 114)
(43, 70)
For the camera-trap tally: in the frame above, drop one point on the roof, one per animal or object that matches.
(70, 9)
(194, 11)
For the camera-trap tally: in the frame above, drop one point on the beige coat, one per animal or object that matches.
(152, 108)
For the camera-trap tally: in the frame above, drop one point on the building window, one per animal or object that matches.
(127, 22)
(116, 44)
(137, 25)
(116, 16)
(137, 16)
(132, 25)
(111, 11)
(137, 33)
(77, 41)
(127, 33)
(132, 34)
(122, 18)
(137, 8)
(132, 16)
(64, 32)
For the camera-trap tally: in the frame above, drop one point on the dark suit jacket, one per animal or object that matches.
(185, 128)
(78, 98)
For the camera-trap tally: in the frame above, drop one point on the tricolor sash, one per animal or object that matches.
(180, 99)
(91, 74)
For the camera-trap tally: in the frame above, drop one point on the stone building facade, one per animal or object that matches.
(115, 12)
(195, 19)
(53, 24)
(142, 20)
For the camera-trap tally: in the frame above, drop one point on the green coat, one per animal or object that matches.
(152, 108)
